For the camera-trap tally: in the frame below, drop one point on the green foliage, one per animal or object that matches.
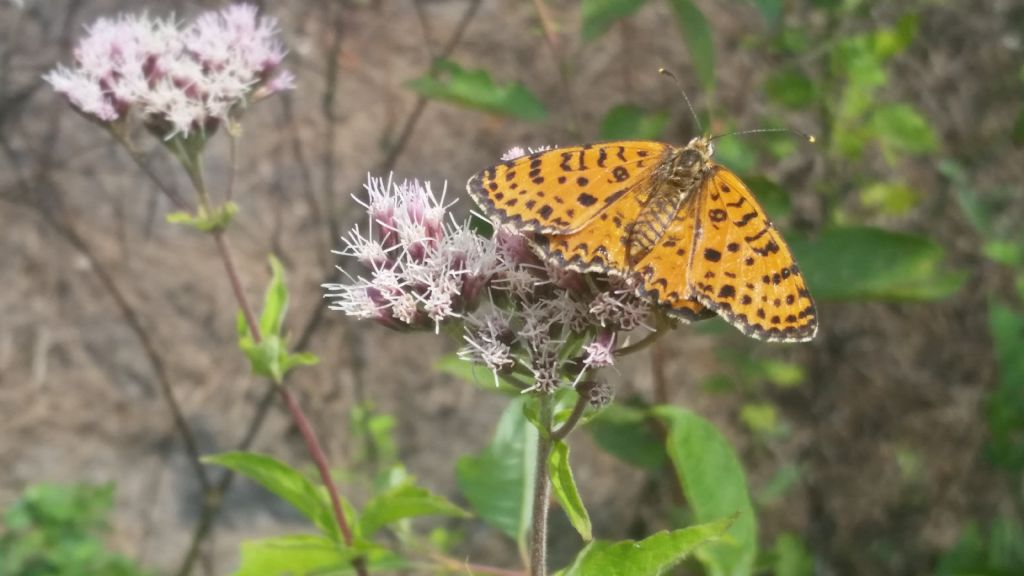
(203, 221)
(790, 557)
(498, 482)
(474, 374)
(785, 478)
(1000, 552)
(652, 556)
(1005, 410)
(891, 198)
(600, 15)
(564, 486)
(771, 10)
(629, 122)
(627, 433)
(404, 501)
(299, 555)
(860, 263)
(475, 89)
(697, 36)
(715, 486)
(270, 357)
(54, 530)
(288, 484)
(791, 88)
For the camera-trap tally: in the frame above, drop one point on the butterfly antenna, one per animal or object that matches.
(809, 137)
(696, 119)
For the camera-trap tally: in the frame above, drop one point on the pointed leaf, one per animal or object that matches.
(475, 89)
(715, 486)
(600, 15)
(498, 482)
(286, 482)
(566, 492)
(697, 36)
(629, 122)
(298, 555)
(404, 501)
(626, 433)
(651, 556)
(847, 263)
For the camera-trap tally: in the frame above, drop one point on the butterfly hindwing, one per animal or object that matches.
(559, 191)
(742, 269)
(662, 272)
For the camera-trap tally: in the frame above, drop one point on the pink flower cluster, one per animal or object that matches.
(519, 317)
(178, 80)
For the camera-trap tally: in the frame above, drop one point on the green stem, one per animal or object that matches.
(541, 491)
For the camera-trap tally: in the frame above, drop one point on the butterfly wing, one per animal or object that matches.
(559, 191)
(602, 243)
(663, 271)
(742, 269)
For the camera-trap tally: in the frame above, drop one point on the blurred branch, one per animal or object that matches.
(405, 133)
(551, 38)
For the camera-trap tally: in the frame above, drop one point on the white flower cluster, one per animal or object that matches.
(518, 316)
(177, 79)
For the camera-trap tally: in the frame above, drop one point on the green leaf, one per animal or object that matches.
(219, 219)
(1004, 252)
(1005, 409)
(738, 154)
(270, 358)
(892, 198)
(790, 87)
(771, 10)
(890, 41)
(1018, 129)
(629, 122)
(287, 483)
(599, 15)
(651, 556)
(475, 89)
(760, 418)
(792, 557)
(697, 36)
(626, 433)
(476, 374)
(297, 555)
(715, 486)
(404, 501)
(862, 263)
(772, 197)
(999, 552)
(784, 479)
(902, 130)
(275, 300)
(498, 482)
(781, 373)
(568, 496)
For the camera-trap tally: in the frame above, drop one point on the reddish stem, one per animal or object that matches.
(308, 435)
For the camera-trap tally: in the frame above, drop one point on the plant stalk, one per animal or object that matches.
(541, 492)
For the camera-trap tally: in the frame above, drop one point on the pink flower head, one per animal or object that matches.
(177, 80)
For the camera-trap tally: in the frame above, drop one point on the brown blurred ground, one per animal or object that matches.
(78, 401)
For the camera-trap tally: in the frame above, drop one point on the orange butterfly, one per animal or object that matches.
(685, 229)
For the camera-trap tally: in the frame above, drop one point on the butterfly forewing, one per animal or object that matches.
(742, 269)
(559, 191)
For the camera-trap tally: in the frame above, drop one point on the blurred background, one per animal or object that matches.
(892, 444)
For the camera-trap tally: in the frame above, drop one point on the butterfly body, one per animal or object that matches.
(685, 230)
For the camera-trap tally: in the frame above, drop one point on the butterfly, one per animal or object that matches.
(687, 231)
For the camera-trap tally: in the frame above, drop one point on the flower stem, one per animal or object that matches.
(574, 418)
(298, 416)
(541, 492)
